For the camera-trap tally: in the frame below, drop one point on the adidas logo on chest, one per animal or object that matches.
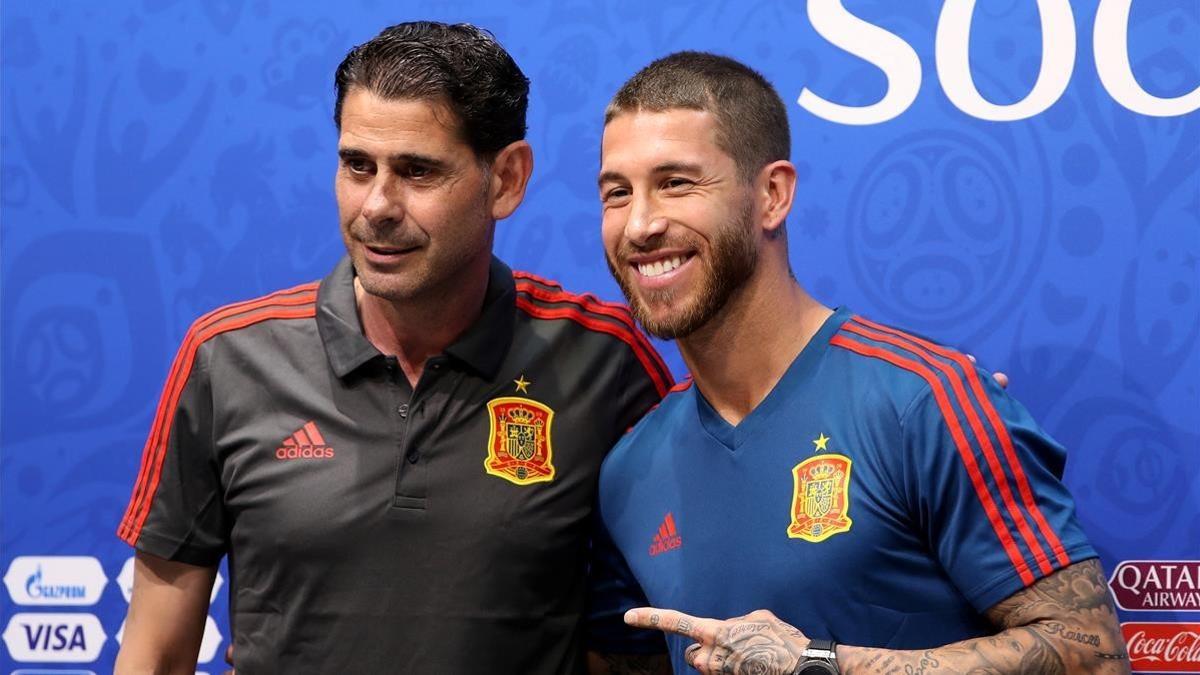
(304, 443)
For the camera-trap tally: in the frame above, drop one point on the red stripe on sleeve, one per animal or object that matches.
(215, 323)
(306, 291)
(989, 452)
(660, 384)
(993, 417)
(590, 303)
(960, 442)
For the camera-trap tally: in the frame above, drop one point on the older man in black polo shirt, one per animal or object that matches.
(400, 461)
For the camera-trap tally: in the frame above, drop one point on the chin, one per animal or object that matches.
(389, 287)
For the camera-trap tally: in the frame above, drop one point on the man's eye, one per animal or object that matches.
(417, 171)
(671, 183)
(358, 166)
(614, 194)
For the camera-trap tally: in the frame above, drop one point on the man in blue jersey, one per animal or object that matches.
(822, 477)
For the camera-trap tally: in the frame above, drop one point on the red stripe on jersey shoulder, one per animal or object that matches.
(592, 313)
(913, 344)
(547, 290)
(292, 303)
(960, 441)
(650, 360)
(955, 379)
(683, 385)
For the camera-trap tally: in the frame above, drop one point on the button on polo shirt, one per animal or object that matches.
(372, 526)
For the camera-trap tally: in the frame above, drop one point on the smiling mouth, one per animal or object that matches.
(661, 266)
(389, 251)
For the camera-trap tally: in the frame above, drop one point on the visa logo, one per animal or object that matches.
(54, 638)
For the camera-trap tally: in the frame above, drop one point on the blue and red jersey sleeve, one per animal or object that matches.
(982, 480)
(986, 482)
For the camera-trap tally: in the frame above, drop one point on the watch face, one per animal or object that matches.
(816, 668)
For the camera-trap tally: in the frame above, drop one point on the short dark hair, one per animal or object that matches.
(752, 124)
(461, 65)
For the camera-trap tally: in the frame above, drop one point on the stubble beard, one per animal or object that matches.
(734, 257)
(425, 278)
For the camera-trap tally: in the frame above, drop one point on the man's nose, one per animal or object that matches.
(384, 202)
(645, 222)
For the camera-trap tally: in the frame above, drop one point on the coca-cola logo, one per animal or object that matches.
(1163, 647)
(1159, 585)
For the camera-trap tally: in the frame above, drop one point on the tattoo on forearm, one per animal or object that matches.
(928, 660)
(1075, 635)
(1065, 622)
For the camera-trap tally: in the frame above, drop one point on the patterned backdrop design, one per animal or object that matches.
(162, 157)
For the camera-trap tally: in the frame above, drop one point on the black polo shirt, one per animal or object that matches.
(374, 527)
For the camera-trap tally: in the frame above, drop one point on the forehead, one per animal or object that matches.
(370, 121)
(675, 135)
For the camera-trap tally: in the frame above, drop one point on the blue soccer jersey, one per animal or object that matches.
(885, 494)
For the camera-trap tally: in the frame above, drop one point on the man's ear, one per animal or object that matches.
(510, 176)
(776, 187)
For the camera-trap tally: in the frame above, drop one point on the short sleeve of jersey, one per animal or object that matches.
(612, 587)
(986, 484)
(176, 510)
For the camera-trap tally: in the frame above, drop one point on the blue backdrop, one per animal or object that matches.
(162, 157)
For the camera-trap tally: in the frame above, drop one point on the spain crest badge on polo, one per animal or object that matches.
(821, 498)
(519, 449)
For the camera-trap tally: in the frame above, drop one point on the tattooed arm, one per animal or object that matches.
(1064, 623)
(628, 664)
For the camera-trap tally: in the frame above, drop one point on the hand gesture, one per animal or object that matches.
(758, 643)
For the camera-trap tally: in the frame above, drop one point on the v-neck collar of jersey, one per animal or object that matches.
(802, 366)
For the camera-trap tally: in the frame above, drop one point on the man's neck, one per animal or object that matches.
(738, 357)
(413, 331)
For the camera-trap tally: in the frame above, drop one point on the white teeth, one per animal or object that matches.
(659, 267)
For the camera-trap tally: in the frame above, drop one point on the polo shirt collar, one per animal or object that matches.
(485, 343)
(482, 347)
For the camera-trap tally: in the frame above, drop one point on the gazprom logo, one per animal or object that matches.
(55, 580)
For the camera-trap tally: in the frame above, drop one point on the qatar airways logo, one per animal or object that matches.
(902, 67)
(1162, 585)
(1163, 647)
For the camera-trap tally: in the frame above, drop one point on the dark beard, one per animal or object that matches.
(734, 257)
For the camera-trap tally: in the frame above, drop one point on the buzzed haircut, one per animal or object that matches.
(461, 65)
(752, 124)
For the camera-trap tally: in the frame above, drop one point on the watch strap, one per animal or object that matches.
(820, 656)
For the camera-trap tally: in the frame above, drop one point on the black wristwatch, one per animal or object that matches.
(818, 658)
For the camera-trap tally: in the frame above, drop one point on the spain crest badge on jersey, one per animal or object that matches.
(519, 449)
(821, 498)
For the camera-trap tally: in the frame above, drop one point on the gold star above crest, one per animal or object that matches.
(820, 441)
(522, 384)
